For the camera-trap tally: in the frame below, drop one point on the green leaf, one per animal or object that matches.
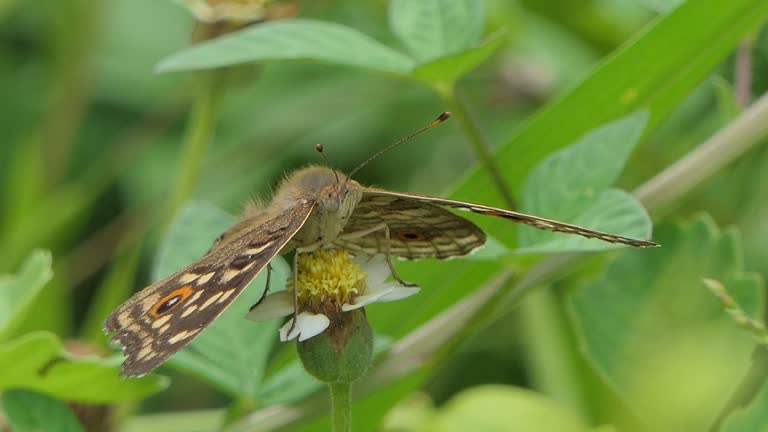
(450, 68)
(751, 418)
(291, 39)
(33, 412)
(524, 410)
(572, 185)
(232, 352)
(37, 361)
(435, 28)
(17, 292)
(643, 321)
(661, 6)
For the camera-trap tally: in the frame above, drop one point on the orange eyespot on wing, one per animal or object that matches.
(172, 300)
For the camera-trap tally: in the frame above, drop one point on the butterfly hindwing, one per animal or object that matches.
(530, 220)
(161, 319)
(417, 229)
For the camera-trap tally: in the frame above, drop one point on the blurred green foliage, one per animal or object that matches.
(559, 106)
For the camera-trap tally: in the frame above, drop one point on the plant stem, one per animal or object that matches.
(481, 148)
(198, 136)
(341, 406)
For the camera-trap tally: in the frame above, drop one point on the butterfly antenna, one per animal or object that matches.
(320, 148)
(441, 118)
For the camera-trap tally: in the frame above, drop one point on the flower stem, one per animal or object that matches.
(481, 148)
(341, 406)
(198, 136)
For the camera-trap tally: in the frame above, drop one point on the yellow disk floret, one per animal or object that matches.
(328, 274)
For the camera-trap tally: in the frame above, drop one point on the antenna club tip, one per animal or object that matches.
(444, 116)
(319, 148)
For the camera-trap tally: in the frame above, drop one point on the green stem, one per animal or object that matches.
(341, 406)
(481, 148)
(198, 136)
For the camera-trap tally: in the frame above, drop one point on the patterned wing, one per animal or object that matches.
(417, 229)
(530, 220)
(164, 317)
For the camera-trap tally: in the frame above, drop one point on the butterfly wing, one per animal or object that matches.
(530, 220)
(164, 317)
(418, 229)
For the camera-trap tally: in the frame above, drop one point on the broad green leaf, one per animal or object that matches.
(37, 361)
(752, 418)
(232, 352)
(661, 6)
(493, 250)
(291, 39)
(33, 412)
(17, 292)
(572, 185)
(450, 68)
(478, 408)
(436, 28)
(643, 321)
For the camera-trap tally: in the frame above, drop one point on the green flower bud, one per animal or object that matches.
(343, 352)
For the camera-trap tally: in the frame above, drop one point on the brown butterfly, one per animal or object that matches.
(314, 207)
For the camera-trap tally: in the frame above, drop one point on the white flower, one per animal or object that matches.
(330, 275)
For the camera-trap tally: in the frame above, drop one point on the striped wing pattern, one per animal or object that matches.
(164, 317)
(530, 220)
(418, 229)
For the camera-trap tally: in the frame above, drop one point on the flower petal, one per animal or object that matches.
(399, 293)
(384, 293)
(275, 305)
(375, 268)
(307, 325)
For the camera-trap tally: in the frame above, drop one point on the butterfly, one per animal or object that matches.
(313, 207)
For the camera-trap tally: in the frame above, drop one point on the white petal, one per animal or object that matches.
(375, 268)
(381, 294)
(399, 293)
(307, 325)
(276, 305)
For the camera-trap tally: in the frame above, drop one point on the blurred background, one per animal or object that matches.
(91, 143)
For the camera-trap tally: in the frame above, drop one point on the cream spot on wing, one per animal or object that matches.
(145, 352)
(205, 278)
(210, 301)
(161, 321)
(189, 310)
(228, 275)
(257, 250)
(225, 295)
(194, 297)
(188, 277)
(183, 335)
(164, 328)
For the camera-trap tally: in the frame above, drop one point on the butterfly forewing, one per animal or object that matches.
(530, 220)
(164, 317)
(417, 229)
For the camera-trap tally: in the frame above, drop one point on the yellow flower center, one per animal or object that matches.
(328, 274)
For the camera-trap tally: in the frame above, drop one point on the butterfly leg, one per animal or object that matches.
(266, 287)
(387, 250)
(388, 258)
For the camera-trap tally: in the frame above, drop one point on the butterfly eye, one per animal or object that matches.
(172, 300)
